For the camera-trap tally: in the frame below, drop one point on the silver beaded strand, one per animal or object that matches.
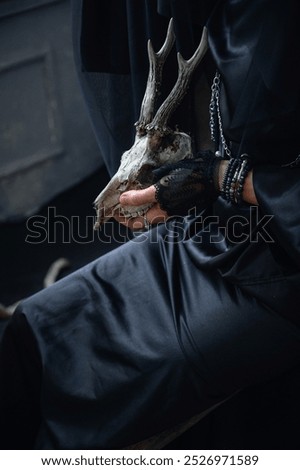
(215, 113)
(237, 169)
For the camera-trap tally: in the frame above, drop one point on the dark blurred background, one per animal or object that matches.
(48, 153)
(50, 165)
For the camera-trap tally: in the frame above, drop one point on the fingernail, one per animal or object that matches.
(138, 226)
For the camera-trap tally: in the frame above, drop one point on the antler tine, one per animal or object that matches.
(185, 71)
(156, 63)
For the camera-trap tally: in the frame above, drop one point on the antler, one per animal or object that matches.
(185, 70)
(147, 152)
(156, 63)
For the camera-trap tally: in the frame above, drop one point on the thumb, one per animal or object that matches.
(138, 197)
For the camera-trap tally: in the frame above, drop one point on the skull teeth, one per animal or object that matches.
(134, 214)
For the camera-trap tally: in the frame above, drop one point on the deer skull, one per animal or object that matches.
(155, 143)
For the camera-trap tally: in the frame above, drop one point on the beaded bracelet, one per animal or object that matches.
(234, 179)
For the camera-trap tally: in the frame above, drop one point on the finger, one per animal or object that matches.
(156, 215)
(134, 223)
(138, 197)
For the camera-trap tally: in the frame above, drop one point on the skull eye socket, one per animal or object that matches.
(167, 140)
(145, 176)
(158, 142)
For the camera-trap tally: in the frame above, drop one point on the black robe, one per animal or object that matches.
(193, 311)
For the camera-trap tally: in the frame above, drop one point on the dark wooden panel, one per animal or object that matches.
(29, 119)
(12, 7)
(46, 141)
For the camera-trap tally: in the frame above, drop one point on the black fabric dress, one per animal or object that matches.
(193, 311)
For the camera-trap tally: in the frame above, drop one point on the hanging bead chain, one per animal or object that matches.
(234, 178)
(215, 114)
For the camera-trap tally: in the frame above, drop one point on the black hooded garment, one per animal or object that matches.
(193, 311)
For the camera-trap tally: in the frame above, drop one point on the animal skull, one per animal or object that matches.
(155, 143)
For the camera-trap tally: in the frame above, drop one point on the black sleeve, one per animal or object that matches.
(278, 192)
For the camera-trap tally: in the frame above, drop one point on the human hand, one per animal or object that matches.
(187, 184)
(140, 197)
(180, 187)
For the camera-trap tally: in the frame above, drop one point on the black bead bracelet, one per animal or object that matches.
(234, 179)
